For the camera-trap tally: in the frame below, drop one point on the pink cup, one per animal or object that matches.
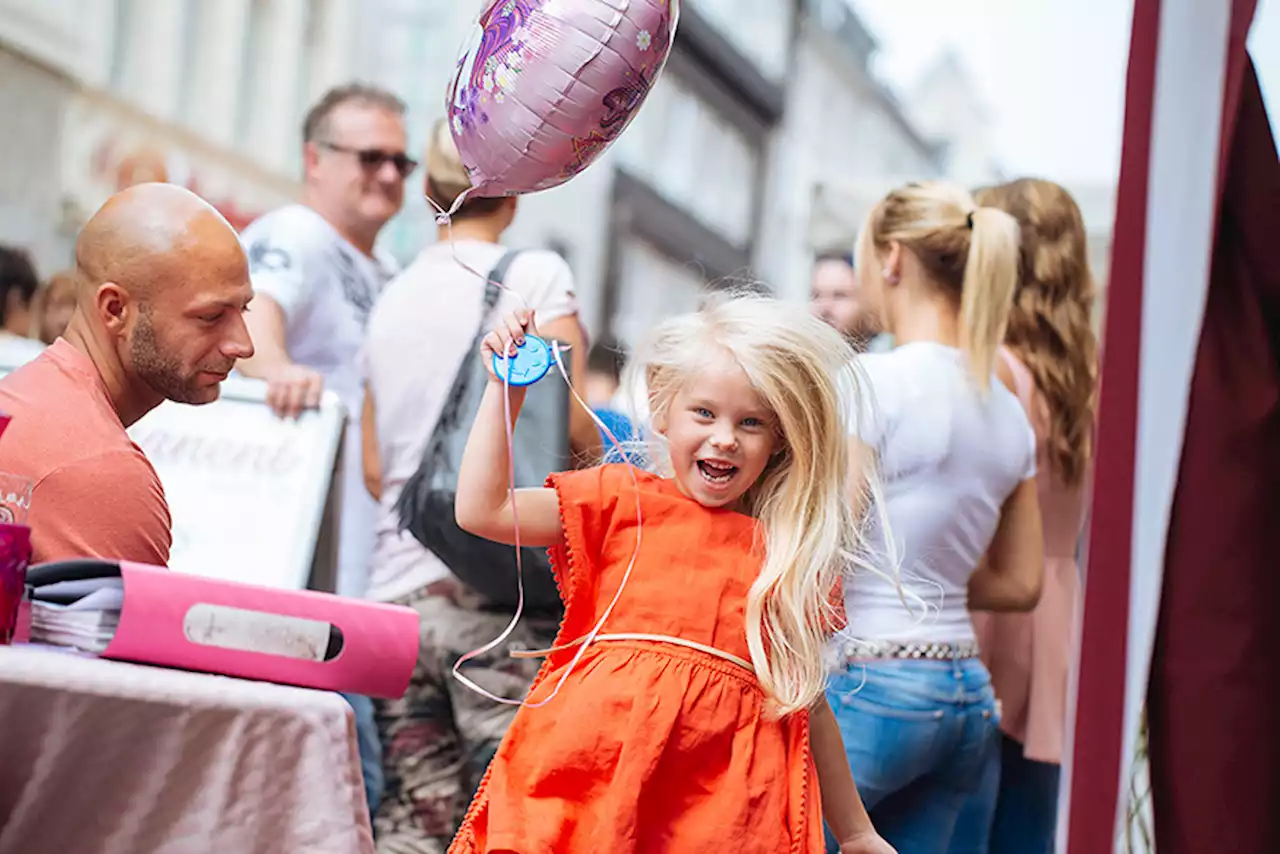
(15, 554)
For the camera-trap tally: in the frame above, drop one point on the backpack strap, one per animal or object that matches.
(492, 292)
(432, 456)
(493, 287)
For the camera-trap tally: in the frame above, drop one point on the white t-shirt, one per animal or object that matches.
(949, 458)
(326, 288)
(420, 332)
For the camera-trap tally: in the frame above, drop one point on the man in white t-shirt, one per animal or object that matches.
(437, 739)
(316, 276)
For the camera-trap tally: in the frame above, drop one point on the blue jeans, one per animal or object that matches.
(1026, 803)
(921, 737)
(370, 750)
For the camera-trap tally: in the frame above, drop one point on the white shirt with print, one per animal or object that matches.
(326, 288)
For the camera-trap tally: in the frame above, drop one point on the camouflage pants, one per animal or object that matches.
(438, 738)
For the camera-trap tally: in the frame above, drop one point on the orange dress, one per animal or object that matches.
(649, 747)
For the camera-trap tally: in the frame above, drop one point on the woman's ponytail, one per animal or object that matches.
(971, 252)
(986, 295)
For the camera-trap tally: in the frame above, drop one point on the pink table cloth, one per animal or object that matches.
(103, 757)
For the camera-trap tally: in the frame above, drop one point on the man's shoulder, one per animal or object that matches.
(291, 217)
(286, 237)
(117, 462)
(72, 513)
(59, 418)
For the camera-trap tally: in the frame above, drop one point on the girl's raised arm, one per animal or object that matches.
(483, 504)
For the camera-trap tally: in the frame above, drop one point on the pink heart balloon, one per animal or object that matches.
(543, 87)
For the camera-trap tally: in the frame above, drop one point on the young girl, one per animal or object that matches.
(915, 704)
(696, 720)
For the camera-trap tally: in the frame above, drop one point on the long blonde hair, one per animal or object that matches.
(1050, 326)
(802, 368)
(971, 252)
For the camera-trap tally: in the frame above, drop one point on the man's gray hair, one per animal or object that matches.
(316, 126)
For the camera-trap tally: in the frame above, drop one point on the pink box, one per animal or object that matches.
(295, 637)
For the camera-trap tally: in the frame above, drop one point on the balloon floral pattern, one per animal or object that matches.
(543, 87)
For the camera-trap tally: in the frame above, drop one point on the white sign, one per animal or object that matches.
(248, 491)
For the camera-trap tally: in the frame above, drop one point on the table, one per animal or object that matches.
(103, 757)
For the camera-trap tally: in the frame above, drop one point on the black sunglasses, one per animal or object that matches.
(373, 158)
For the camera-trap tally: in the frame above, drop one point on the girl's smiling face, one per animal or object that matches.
(720, 433)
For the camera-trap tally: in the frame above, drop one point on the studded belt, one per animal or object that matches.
(858, 650)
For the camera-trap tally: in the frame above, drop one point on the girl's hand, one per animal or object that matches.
(508, 335)
(869, 842)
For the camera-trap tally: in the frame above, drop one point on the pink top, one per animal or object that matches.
(1030, 655)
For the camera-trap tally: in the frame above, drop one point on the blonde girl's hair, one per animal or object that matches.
(970, 252)
(1050, 326)
(802, 369)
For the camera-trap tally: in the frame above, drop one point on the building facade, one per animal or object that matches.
(944, 107)
(208, 94)
(845, 141)
(765, 140)
(676, 203)
(34, 97)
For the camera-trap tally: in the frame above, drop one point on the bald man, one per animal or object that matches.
(161, 289)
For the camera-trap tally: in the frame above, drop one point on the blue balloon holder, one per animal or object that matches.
(531, 362)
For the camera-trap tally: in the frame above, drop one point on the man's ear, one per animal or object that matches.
(310, 157)
(113, 305)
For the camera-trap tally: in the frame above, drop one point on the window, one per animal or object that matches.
(121, 43)
(194, 52)
(652, 287)
(832, 14)
(759, 29)
(310, 79)
(314, 18)
(696, 158)
(253, 64)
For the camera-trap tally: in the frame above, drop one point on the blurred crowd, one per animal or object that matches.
(33, 312)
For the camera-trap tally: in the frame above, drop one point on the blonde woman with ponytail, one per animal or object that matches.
(682, 707)
(914, 703)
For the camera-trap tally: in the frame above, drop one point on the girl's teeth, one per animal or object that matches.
(714, 473)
